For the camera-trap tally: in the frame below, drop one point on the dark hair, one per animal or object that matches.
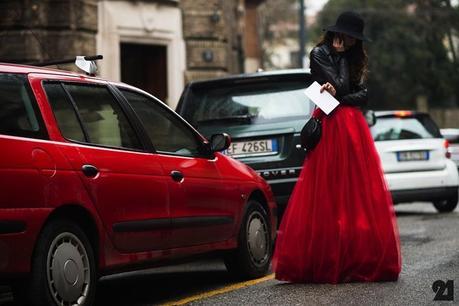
(356, 56)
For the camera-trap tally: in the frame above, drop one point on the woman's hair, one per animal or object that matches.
(356, 56)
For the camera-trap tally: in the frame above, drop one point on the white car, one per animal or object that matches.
(416, 159)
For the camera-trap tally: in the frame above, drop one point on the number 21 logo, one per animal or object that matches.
(444, 290)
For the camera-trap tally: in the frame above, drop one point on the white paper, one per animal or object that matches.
(325, 101)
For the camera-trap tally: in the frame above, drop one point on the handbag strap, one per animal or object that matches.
(318, 113)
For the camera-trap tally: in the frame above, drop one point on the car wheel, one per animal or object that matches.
(63, 267)
(252, 257)
(446, 205)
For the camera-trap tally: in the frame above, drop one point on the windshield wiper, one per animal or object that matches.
(241, 118)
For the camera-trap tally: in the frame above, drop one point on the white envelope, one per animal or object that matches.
(325, 101)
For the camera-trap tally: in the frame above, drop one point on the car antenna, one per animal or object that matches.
(85, 63)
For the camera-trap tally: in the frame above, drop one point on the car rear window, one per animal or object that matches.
(406, 127)
(248, 103)
(19, 113)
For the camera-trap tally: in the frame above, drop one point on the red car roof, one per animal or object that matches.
(24, 69)
(16, 68)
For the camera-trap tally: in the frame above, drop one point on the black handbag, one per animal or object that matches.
(311, 133)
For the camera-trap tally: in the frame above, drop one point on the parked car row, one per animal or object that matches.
(264, 113)
(99, 177)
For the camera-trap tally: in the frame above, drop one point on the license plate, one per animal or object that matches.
(252, 148)
(412, 155)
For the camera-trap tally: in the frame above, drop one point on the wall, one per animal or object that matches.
(204, 38)
(213, 36)
(35, 31)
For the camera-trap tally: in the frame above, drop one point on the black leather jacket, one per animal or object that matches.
(329, 66)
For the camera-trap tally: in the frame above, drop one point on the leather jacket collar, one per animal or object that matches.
(334, 56)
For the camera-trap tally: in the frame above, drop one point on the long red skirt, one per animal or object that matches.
(339, 225)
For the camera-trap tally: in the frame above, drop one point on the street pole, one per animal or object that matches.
(302, 38)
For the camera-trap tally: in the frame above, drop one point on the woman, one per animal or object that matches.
(340, 225)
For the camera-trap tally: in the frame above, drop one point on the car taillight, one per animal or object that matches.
(403, 113)
(447, 151)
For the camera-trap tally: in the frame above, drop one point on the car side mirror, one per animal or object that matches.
(220, 142)
(370, 117)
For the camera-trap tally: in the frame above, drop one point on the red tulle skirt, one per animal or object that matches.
(339, 225)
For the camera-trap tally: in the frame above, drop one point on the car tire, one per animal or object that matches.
(63, 268)
(253, 256)
(447, 205)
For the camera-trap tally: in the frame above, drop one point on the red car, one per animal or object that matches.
(99, 177)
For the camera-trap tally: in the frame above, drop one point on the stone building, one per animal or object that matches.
(157, 45)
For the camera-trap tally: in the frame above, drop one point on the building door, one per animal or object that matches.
(145, 66)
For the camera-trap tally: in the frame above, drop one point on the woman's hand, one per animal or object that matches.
(338, 44)
(328, 87)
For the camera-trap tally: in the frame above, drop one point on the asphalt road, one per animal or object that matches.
(430, 250)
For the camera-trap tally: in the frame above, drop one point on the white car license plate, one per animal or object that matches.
(252, 148)
(412, 155)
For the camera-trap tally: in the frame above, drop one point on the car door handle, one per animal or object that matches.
(89, 170)
(177, 175)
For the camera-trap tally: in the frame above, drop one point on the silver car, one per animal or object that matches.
(452, 135)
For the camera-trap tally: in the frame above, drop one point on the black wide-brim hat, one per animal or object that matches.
(349, 23)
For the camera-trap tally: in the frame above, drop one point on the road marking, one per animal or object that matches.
(215, 292)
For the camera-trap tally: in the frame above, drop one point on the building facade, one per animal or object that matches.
(143, 45)
(157, 45)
